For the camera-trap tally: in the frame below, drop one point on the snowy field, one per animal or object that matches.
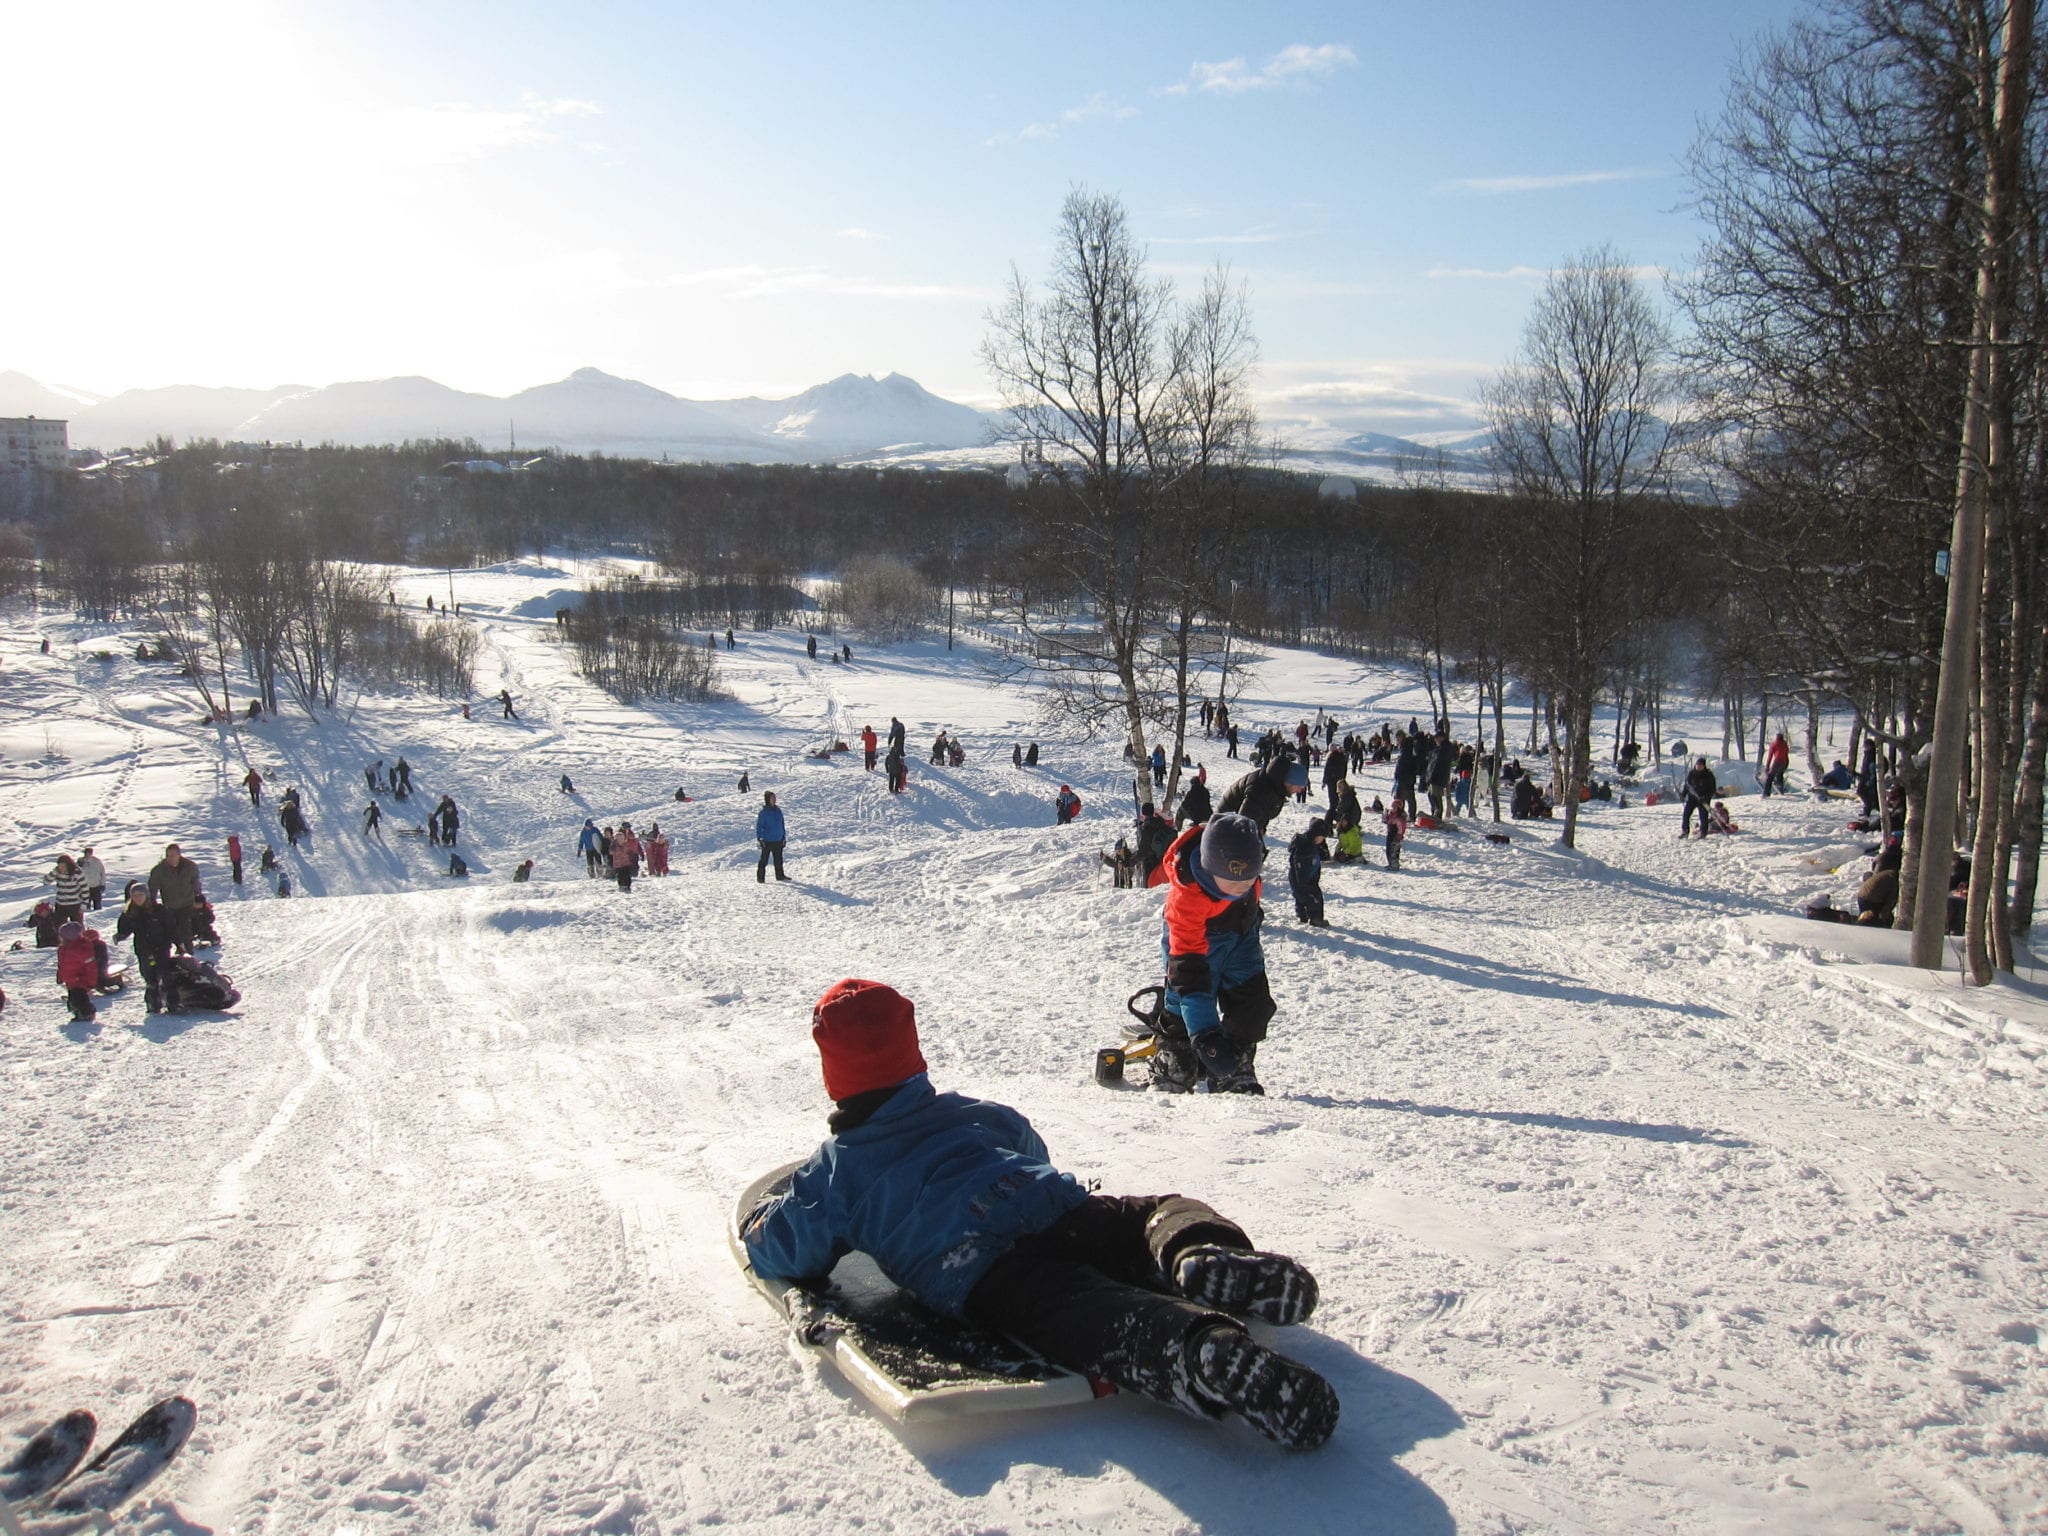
(1638, 1205)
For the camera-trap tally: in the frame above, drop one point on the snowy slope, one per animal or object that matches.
(1636, 1206)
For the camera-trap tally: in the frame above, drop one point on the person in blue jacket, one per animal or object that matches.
(957, 1201)
(590, 843)
(1305, 855)
(769, 833)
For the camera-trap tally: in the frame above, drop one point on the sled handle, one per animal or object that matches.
(1149, 1016)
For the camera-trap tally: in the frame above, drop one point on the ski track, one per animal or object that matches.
(1625, 1218)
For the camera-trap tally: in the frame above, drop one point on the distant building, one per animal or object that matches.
(1337, 488)
(29, 442)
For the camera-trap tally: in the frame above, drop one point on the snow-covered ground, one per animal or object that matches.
(1637, 1204)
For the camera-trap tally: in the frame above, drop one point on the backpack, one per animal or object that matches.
(190, 983)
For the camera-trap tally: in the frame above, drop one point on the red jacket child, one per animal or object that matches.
(78, 959)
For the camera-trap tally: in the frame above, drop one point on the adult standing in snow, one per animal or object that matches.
(1158, 765)
(1777, 759)
(867, 746)
(590, 843)
(175, 883)
(403, 779)
(1195, 806)
(1155, 836)
(811, 646)
(148, 926)
(292, 819)
(1031, 754)
(451, 820)
(235, 855)
(746, 783)
(1334, 768)
(373, 776)
(1305, 856)
(1443, 762)
(1230, 735)
(894, 765)
(95, 878)
(1218, 1003)
(568, 786)
(1699, 797)
(505, 698)
(770, 833)
(71, 889)
(253, 782)
(1262, 793)
(625, 855)
(373, 818)
(896, 735)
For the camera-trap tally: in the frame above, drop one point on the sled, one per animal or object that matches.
(1141, 1039)
(910, 1362)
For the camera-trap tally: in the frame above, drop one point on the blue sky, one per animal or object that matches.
(739, 199)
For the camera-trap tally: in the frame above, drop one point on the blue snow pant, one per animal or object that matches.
(1236, 999)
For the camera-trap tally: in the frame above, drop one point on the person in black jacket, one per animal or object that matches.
(1443, 761)
(1262, 793)
(1195, 806)
(1335, 771)
(1154, 838)
(149, 926)
(1407, 766)
(1699, 795)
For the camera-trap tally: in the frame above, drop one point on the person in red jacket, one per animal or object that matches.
(235, 855)
(253, 782)
(867, 745)
(1777, 758)
(78, 970)
(625, 855)
(1218, 1002)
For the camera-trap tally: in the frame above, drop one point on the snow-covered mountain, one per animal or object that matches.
(859, 414)
(853, 416)
(21, 395)
(180, 412)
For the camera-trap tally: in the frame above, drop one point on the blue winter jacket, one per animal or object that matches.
(768, 825)
(934, 1187)
(588, 841)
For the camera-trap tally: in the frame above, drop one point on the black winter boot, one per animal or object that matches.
(1268, 1286)
(1228, 1064)
(1283, 1400)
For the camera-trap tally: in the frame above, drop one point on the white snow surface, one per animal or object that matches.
(1638, 1205)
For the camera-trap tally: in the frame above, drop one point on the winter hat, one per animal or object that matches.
(1233, 848)
(71, 930)
(1318, 828)
(1297, 776)
(867, 1037)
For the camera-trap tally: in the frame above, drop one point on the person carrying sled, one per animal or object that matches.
(1066, 805)
(1218, 1003)
(1699, 795)
(770, 833)
(1305, 856)
(957, 1201)
(148, 927)
(589, 843)
(78, 969)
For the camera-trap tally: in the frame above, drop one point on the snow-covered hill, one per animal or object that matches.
(1637, 1205)
(180, 412)
(859, 414)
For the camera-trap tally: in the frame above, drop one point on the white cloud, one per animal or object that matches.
(757, 281)
(856, 232)
(1487, 274)
(1298, 64)
(1497, 184)
(1098, 108)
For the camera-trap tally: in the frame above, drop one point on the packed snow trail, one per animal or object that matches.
(1631, 1210)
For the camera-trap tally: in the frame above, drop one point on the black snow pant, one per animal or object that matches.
(1093, 1291)
(95, 896)
(1692, 807)
(80, 999)
(153, 964)
(237, 867)
(1308, 901)
(769, 851)
(624, 875)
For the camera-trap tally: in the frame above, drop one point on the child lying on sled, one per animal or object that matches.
(957, 1201)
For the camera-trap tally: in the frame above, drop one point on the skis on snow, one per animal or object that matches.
(42, 1492)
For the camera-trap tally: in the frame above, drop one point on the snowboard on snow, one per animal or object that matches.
(912, 1363)
(41, 1496)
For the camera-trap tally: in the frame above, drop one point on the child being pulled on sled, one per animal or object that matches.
(957, 1201)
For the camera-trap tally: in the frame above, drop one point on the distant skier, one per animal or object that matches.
(505, 698)
(770, 832)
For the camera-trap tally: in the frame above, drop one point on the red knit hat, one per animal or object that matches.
(867, 1037)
